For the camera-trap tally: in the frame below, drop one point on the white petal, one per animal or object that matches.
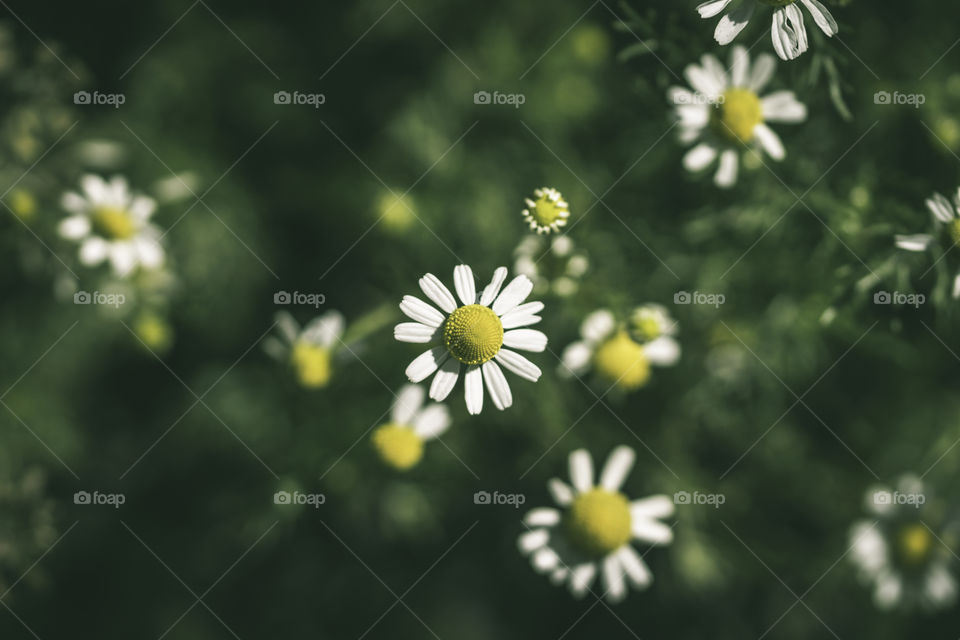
(762, 71)
(491, 290)
(433, 421)
(739, 66)
(783, 106)
(464, 284)
(74, 202)
(597, 326)
(785, 39)
(617, 467)
(581, 577)
(416, 309)
(533, 540)
(663, 351)
(699, 157)
(93, 251)
(651, 531)
(497, 385)
(425, 364)
(956, 287)
(940, 208)
(95, 188)
(916, 242)
(525, 339)
(561, 492)
(473, 390)
(822, 17)
(522, 316)
(406, 404)
(726, 175)
(542, 517)
(437, 292)
(614, 585)
(545, 559)
(324, 330)
(576, 359)
(703, 81)
(142, 208)
(712, 7)
(634, 566)
(658, 506)
(445, 380)
(770, 142)
(733, 23)
(693, 116)
(287, 326)
(123, 258)
(888, 591)
(518, 364)
(514, 293)
(581, 470)
(74, 227)
(150, 253)
(414, 332)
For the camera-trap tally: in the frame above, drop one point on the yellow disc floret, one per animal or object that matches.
(737, 115)
(312, 364)
(954, 228)
(915, 543)
(548, 212)
(113, 223)
(599, 521)
(473, 334)
(398, 445)
(621, 360)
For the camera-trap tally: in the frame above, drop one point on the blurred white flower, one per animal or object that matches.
(474, 334)
(112, 224)
(553, 265)
(548, 212)
(898, 553)
(787, 31)
(592, 530)
(726, 114)
(945, 215)
(308, 350)
(400, 442)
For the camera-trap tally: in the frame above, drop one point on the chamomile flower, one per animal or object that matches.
(946, 215)
(788, 33)
(112, 224)
(592, 530)
(473, 336)
(400, 441)
(621, 353)
(554, 265)
(310, 350)
(726, 115)
(548, 212)
(900, 551)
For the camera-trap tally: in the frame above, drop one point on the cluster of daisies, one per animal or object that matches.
(723, 114)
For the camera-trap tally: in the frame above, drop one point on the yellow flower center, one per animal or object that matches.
(647, 326)
(154, 331)
(473, 334)
(954, 228)
(736, 116)
(915, 543)
(599, 521)
(23, 204)
(398, 445)
(312, 364)
(545, 211)
(113, 223)
(621, 360)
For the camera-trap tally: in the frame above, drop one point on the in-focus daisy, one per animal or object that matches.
(112, 224)
(553, 265)
(309, 350)
(788, 33)
(548, 212)
(591, 531)
(901, 551)
(474, 335)
(726, 115)
(622, 353)
(946, 215)
(400, 442)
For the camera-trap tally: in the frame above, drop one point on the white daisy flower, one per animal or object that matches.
(617, 355)
(112, 224)
(946, 215)
(553, 265)
(591, 531)
(400, 442)
(309, 350)
(548, 212)
(898, 553)
(725, 114)
(474, 335)
(788, 33)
